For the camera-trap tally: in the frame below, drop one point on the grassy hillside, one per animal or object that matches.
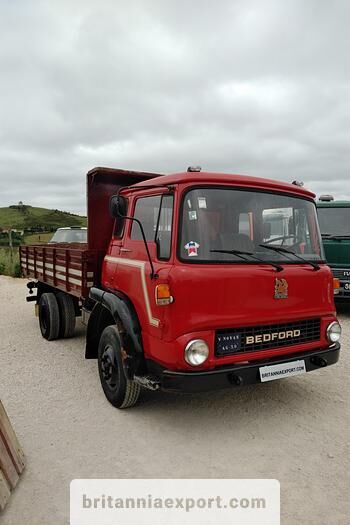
(41, 221)
(25, 217)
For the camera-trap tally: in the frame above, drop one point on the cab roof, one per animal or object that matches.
(204, 177)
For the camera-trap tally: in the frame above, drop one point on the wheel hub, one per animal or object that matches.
(109, 367)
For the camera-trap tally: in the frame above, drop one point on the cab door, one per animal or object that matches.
(134, 269)
(115, 248)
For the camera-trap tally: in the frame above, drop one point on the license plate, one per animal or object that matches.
(227, 344)
(346, 287)
(271, 372)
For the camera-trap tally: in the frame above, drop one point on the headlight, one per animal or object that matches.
(333, 332)
(196, 352)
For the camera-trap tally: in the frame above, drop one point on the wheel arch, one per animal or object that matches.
(114, 308)
(43, 288)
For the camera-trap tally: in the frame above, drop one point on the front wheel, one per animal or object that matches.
(118, 389)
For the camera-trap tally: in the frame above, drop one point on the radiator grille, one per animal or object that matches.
(340, 273)
(266, 337)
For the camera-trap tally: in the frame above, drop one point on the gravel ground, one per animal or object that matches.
(295, 430)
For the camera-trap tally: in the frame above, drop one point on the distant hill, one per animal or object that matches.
(22, 216)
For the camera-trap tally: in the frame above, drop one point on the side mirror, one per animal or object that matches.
(118, 206)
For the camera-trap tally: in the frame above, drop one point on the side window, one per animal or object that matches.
(164, 229)
(146, 211)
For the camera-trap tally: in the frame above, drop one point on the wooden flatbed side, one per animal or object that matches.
(73, 269)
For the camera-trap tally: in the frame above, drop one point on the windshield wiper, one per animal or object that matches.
(241, 254)
(284, 250)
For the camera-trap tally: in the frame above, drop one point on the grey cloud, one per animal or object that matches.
(260, 88)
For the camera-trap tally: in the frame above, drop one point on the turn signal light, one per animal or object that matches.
(163, 295)
(336, 286)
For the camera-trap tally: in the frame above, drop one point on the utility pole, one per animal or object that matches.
(10, 244)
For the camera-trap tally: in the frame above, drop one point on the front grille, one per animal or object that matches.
(341, 273)
(266, 337)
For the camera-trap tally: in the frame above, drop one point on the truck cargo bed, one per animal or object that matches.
(72, 269)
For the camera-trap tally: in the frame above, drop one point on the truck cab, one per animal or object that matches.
(334, 221)
(218, 298)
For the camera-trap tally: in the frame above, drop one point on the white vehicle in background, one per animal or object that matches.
(71, 234)
(276, 224)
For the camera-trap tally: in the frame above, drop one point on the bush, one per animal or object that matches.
(9, 262)
(17, 271)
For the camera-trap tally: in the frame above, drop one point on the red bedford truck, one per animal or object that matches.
(187, 284)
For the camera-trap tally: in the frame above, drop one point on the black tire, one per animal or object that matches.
(67, 314)
(120, 391)
(49, 316)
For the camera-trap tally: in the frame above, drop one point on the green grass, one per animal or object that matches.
(9, 262)
(33, 238)
(21, 217)
(38, 238)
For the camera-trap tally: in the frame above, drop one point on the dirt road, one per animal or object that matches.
(296, 430)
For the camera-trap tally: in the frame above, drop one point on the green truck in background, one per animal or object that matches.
(334, 221)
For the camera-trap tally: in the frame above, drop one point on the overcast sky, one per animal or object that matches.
(255, 87)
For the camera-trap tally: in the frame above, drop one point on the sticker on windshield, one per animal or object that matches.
(192, 248)
(202, 202)
(192, 215)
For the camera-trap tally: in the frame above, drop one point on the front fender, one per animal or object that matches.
(114, 309)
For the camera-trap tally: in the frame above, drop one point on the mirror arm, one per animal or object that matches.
(156, 240)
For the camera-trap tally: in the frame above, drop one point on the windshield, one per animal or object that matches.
(71, 235)
(238, 220)
(334, 221)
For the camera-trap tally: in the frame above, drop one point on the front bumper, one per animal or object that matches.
(341, 297)
(228, 376)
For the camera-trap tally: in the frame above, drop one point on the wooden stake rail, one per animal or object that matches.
(12, 461)
(69, 268)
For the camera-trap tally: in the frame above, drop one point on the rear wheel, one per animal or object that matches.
(49, 316)
(67, 314)
(119, 390)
